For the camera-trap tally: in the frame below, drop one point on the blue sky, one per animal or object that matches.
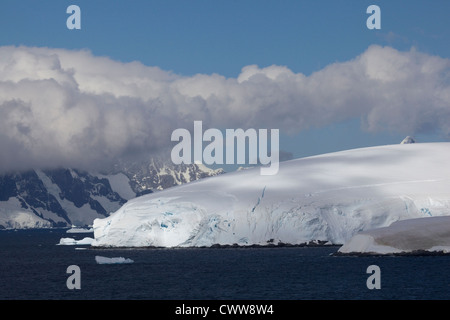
(218, 36)
(191, 36)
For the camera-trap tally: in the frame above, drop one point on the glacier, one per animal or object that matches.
(330, 197)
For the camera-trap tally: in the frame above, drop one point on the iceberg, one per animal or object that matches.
(412, 236)
(117, 260)
(73, 242)
(327, 198)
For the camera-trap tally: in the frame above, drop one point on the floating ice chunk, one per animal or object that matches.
(80, 230)
(73, 242)
(117, 260)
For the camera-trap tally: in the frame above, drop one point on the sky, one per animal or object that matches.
(136, 70)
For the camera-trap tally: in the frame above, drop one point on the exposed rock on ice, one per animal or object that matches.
(408, 140)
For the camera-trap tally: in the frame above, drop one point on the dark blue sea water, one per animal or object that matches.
(32, 266)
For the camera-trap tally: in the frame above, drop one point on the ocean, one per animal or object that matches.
(34, 267)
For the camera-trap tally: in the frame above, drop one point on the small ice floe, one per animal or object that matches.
(116, 260)
(73, 242)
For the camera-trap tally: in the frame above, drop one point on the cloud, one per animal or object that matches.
(392, 37)
(70, 108)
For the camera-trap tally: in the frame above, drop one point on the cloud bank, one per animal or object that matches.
(70, 108)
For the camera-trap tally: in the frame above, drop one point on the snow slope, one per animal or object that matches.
(13, 216)
(430, 234)
(329, 197)
(120, 183)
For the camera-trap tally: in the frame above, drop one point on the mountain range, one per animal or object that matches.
(63, 197)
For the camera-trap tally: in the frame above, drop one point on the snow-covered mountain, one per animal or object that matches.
(407, 140)
(329, 197)
(158, 173)
(58, 198)
(64, 197)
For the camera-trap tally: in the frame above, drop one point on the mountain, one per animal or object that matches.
(160, 174)
(63, 197)
(330, 198)
(55, 198)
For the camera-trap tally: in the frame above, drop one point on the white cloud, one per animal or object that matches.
(70, 108)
